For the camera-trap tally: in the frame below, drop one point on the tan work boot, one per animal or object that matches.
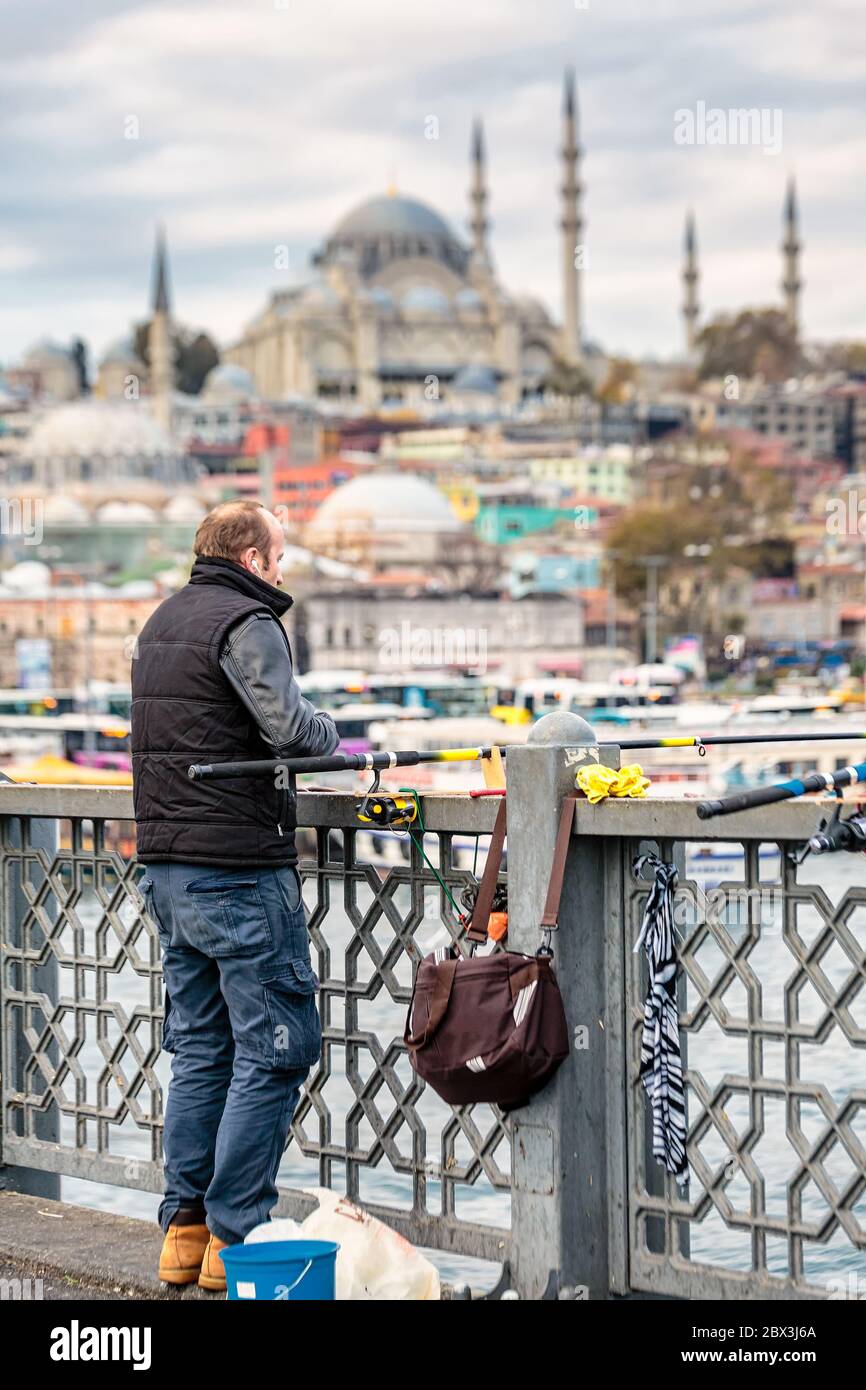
(182, 1252)
(213, 1274)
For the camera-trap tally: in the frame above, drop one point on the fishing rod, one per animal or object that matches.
(702, 742)
(349, 762)
(337, 762)
(783, 791)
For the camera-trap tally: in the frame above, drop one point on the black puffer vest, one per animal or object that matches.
(184, 711)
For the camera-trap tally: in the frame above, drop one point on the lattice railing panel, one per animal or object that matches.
(772, 1014)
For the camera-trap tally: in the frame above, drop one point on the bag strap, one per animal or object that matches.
(443, 984)
(487, 887)
(550, 916)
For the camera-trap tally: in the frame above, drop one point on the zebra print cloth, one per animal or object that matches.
(661, 1068)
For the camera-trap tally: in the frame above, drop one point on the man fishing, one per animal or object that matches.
(212, 679)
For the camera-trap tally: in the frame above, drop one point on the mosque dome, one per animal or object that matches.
(393, 228)
(106, 445)
(56, 369)
(229, 383)
(531, 310)
(83, 429)
(27, 577)
(126, 514)
(121, 353)
(183, 508)
(425, 299)
(45, 350)
(60, 510)
(397, 502)
(387, 216)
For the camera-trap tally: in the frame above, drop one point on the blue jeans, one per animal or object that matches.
(242, 1023)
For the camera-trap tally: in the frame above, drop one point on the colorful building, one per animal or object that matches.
(603, 473)
(510, 511)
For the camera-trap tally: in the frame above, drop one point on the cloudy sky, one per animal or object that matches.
(260, 123)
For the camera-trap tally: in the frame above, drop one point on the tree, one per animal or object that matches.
(194, 356)
(735, 513)
(197, 357)
(567, 379)
(648, 530)
(842, 357)
(621, 374)
(752, 342)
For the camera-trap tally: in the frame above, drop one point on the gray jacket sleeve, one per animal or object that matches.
(257, 663)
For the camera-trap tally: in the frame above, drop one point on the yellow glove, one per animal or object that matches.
(598, 782)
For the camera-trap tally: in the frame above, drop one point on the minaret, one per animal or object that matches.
(159, 338)
(478, 198)
(571, 225)
(690, 285)
(791, 247)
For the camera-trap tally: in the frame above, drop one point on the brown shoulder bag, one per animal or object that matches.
(492, 1028)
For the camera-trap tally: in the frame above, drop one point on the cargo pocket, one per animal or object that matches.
(230, 915)
(294, 1037)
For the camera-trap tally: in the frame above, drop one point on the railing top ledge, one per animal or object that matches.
(650, 818)
(442, 811)
(677, 819)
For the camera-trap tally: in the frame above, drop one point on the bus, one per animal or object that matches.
(45, 703)
(443, 695)
(592, 699)
(100, 698)
(91, 740)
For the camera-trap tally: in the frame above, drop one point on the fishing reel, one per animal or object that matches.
(837, 834)
(388, 812)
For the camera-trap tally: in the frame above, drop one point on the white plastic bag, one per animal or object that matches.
(373, 1261)
(283, 1228)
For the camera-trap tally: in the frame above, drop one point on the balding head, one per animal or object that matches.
(245, 532)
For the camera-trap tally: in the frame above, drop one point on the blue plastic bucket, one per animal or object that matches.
(281, 1269)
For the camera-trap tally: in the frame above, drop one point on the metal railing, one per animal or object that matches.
(82, 1074)
(773, 1024)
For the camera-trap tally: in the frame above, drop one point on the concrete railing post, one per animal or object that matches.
(568, 1143)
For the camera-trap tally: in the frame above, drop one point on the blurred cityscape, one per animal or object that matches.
(486, 514)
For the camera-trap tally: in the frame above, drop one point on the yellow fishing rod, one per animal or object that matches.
(358, 762)
(704, 741)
